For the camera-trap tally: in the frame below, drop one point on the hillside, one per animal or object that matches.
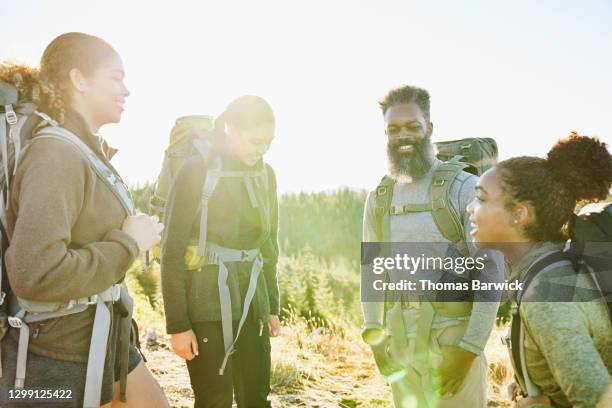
(319, 360)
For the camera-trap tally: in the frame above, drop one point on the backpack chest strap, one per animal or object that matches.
(409, 208)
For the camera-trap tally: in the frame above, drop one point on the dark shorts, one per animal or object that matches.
(45, 373)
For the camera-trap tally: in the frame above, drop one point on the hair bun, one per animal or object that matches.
(584, 166)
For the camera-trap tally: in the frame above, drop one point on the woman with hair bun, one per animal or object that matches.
(73, 237)
(523, 208)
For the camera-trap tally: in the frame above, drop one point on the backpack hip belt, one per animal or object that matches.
(99, 337)
(218, 255)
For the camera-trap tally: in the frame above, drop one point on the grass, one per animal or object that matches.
(320, 359)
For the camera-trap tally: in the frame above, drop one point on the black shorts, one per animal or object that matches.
(44, 373)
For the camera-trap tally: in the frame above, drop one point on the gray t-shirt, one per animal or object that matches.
(421, 227)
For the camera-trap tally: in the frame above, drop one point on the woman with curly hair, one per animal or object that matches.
(523, 207)
(70, 236)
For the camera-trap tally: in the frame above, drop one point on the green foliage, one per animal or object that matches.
(142, 196)
(320, 235)
(504, 314)
(326, 296)
(144, 286)
(328, 223)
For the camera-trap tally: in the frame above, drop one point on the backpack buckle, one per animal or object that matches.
(11, 116)
(212, 258)
(396, 210)
(15, 322)
(244, 256)
(116, 292)
(381, 190)
(92, 300)
(2, 296)
(438, 204)
(507, 340)
(514, 310)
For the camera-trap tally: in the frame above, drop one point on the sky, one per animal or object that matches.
(525, 73)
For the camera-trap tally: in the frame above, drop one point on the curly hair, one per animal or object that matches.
(577, 169)
(49, 86)
(407, 94)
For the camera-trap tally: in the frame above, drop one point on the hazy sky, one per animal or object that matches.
(523, 72)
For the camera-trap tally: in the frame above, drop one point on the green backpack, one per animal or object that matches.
(186, 130)
(474, 155)
(480, 153)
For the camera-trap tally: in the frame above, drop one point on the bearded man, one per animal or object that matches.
(452, 371)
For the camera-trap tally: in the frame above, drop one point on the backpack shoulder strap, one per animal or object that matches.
(382, 205)
(203, 147)
(517, 329)
(447, 218)
(213, 173)
(116, 185)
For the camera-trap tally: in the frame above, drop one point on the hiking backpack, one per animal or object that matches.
(474, 155)
(186, 130)
(193, 135)
(20, 125)
(588, 251)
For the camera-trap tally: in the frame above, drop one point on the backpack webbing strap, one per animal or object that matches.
(249, 187)
(218, 255)
(22, 349)
(125, 332)
(382, 201)
(544, 263)
(445, 216)
(97, 355)
(212, 178)
(409, 208)
(115, 184)
(210, 183)
(14, 135)
(382, 225)
(4, 139)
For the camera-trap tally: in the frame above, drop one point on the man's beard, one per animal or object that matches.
(413, 165)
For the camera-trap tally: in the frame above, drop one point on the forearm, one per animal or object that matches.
(273, 289)
(54, 273)
(270, 250)
(373, 312)
(175, 300)
(479, 327)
